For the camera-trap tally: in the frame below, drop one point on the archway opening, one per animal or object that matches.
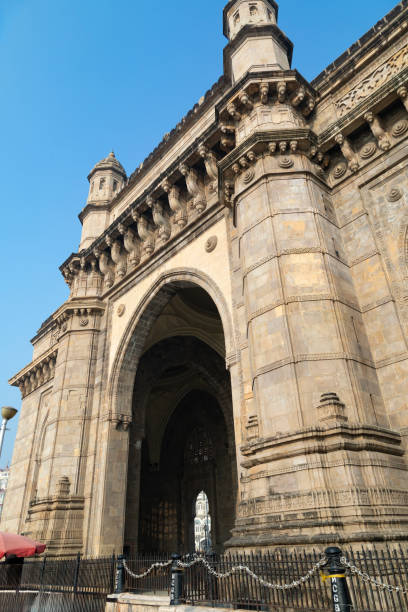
(182, 441)
(202, 524)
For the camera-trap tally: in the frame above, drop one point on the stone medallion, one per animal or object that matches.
(368, 150)
(399, 128)
(211, 243)
(339, 170)
(285, 162)
(394, 194)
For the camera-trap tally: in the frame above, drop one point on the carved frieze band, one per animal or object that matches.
(353, 496)
(367, 86)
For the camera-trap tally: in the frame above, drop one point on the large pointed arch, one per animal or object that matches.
(125, 364)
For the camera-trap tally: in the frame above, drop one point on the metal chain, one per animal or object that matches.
(265, 583)
(147, 572)
(366, 578)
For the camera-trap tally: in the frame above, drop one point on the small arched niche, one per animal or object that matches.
(202, 524)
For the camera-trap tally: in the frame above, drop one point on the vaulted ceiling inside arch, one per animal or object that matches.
(191, 312)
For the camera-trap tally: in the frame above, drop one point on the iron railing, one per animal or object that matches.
(83, 583)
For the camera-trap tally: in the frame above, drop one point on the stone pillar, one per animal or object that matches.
(67, 438)
(303, 347)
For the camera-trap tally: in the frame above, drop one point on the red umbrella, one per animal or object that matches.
(12, 544)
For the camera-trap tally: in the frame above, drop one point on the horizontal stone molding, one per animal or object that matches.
(312, 357)
(331, 498)
(390, 463)
(361, 258)
(316, 440)
(36, 373)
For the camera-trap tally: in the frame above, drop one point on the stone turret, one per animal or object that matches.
(106, 179)
(256, 43)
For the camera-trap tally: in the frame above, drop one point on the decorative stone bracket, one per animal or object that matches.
(122, 421)
(286, 88)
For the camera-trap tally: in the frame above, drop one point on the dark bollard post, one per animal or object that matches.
(119, 579)
(176, 587)
(336, 573)
(76, 577)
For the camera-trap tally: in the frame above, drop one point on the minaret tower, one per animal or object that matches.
(294, 294)
(106, 179)
(256, 43)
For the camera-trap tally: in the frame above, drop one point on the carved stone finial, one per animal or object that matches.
(331, 409)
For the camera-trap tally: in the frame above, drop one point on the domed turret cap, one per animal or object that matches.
(108, 163)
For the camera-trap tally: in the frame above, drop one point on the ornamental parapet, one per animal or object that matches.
(36, 374)
(269, 116)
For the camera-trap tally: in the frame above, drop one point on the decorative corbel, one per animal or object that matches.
(177, 206)
(160, 219)
(264, 92)
(105, 267)
(308, 109)
(281, 90)
(210, 162)
(227, 141)
(293, 145)
(402, 92)
(145, 232)
(228, 193)
(199, 202)
(378, 131)
(246, 100)
(131, 244)
(283, 145)
(122, 421)
(298, 97)
(348, 152)
(232, 110)
(118, 256)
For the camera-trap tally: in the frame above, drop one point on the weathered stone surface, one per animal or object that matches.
(269, 236)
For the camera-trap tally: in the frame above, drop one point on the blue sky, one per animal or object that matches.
(80, 77)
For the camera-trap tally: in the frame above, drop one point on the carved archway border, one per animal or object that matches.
(403, 247)
(119, 396)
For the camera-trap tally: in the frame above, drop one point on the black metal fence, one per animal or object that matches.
(60, 585)
(73, 584)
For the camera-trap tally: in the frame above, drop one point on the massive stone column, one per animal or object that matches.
(58, 506)
(319, 459)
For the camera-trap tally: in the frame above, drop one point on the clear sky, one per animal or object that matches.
(82, 77)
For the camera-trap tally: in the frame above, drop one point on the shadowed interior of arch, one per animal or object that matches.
(182, 438)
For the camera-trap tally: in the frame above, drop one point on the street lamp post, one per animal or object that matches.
(7, 413)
